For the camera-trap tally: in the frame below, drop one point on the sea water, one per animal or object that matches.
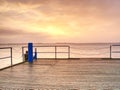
(77, 50)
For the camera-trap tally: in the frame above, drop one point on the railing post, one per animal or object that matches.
(35, 57)
(11, 56)
(55, 52)
(69, 52)
(110, 51)
(23, 54)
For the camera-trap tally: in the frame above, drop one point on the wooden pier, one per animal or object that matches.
(71, 74)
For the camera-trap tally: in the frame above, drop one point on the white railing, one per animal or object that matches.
(114, 51)
(54, 51)
(7, 56)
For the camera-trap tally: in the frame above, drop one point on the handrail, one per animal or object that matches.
(5, 57)
(55, 49)
(5, 47)
(115, 45)
(49, 46)
(113, 51)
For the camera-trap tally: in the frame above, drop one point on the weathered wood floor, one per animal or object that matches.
(83, 74)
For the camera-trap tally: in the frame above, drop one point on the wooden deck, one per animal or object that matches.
(83, 74)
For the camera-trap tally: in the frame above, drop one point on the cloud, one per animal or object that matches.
(20, 36)
(10, 32)
(50, 20)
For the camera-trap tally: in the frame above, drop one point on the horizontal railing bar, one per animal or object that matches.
(115, 45)
(5, 47)
(55, 58)
(115, 51)
(50, 46)
(62, 52)
(51, 52)
(5, 57)
(24, 46)
(45, 52)
(46, 46)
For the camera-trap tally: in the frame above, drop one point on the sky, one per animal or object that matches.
(53, 21)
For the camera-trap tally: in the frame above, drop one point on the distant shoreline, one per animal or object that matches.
(62, 43)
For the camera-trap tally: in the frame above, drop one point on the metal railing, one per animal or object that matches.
(54, 51)
(5, 57)
(111, 50)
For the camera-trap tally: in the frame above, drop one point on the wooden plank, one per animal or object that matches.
(83, 74)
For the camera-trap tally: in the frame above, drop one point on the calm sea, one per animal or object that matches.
(77, 50)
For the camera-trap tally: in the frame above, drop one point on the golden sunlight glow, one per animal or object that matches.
(52, 30)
